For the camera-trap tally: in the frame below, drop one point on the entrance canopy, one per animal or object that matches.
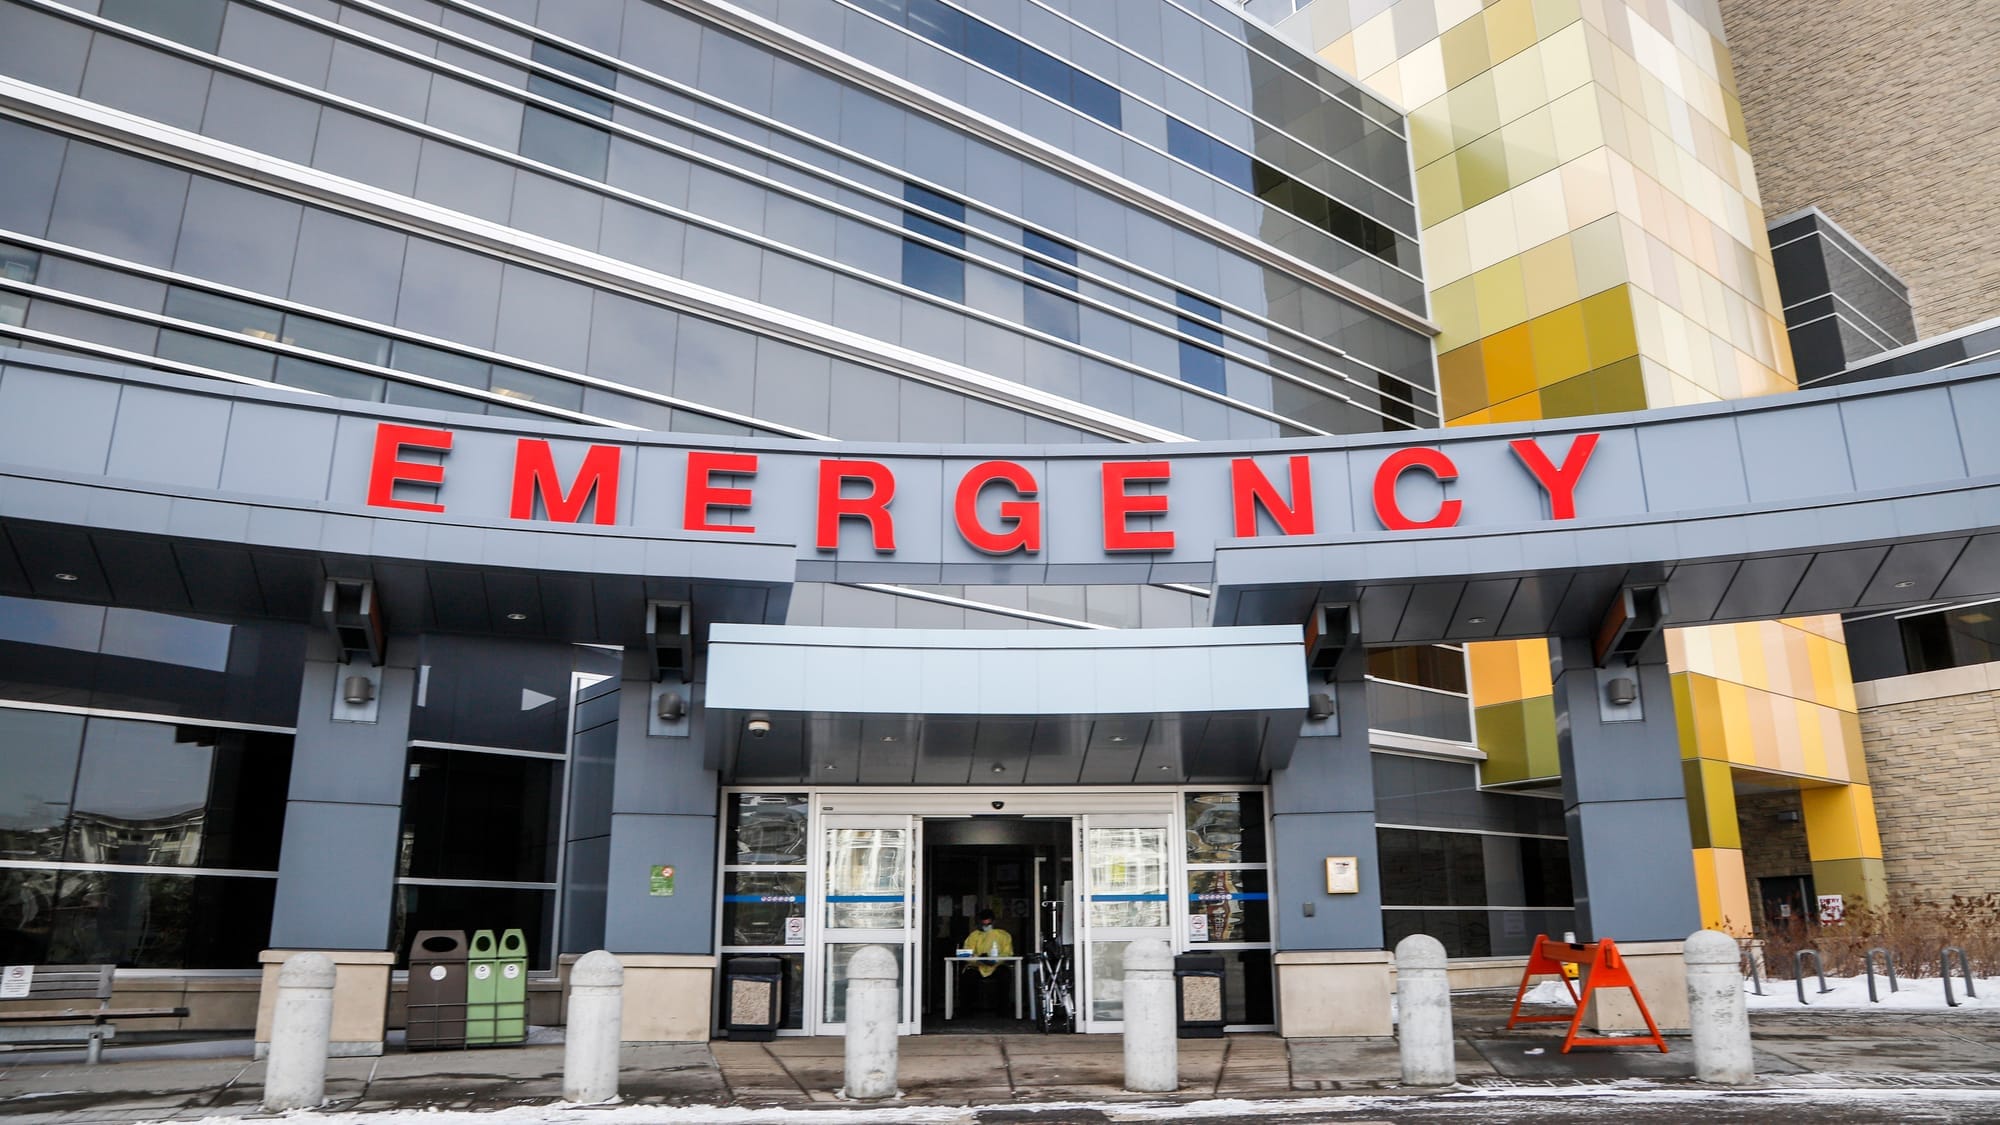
(933, 707)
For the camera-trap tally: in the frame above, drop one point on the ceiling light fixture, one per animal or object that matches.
(517, 617)
(65, 576)
(1905, 584)
(998, 768)
(888, 738)
(1475, 621)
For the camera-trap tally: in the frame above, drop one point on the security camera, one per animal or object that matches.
(758, 727)
(999, 804)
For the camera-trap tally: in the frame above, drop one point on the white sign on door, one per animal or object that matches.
(795, 930)
(1197, 927)
(14, 981)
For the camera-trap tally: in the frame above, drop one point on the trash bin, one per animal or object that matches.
(1199, 998)
(482, 987)
(437, 991)
(510, 1000)
(751, 998)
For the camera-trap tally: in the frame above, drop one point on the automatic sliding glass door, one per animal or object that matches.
(1126, 872)
(869, 878)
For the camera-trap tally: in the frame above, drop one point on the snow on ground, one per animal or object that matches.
(1926, 994)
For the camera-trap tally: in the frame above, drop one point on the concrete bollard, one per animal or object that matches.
(874, 1017)
(596, 1017)
(1152, 1027)
(1423, 1013)
(301, 1024)
(1717, 1013)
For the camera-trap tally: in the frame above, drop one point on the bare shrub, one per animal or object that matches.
(1911, 928)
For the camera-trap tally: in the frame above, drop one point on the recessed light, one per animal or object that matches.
(998, 768)
(1117, 738)
(1475, 621)
(1163, 769)
(830, 766)
(1905, 584)
(888, 738)
(517, 617)
(65, 576)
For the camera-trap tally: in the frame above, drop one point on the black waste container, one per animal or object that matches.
(437, 991)
(752, 1003)
(1199, 998)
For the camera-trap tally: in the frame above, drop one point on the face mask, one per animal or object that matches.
(985, 925)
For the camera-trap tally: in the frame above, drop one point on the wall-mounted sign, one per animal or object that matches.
(661, 881)
(1197, 927)
(1343, 875)
(795, 930)
(1832, 910)
(15, 981)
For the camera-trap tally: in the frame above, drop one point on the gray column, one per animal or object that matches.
(337, 872)
(663, 807)
(1323, 805)
(1630, 850)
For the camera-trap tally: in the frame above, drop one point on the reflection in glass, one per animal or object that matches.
(151, 921)
(837, 957)
(1107, 980)
(767, 828)
(866, 870)
(472, 908)
(755, 905)
(38, 753)
(1128, 876)
(1236, 904)
(468, 815)
(1225, 828)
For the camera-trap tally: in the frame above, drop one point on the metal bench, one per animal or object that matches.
(67, 1025)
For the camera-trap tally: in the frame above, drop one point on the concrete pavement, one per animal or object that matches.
(1861, 1051)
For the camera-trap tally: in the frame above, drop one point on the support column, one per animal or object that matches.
(337, 870)
(1333, 974)
(1625, 805)
(663, 810)
(1719, 879)
(1845, 846)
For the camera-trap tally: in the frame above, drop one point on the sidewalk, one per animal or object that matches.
(1825, 1050)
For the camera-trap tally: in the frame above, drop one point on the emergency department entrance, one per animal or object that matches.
(812, 877)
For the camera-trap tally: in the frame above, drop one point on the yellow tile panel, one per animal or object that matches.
(1573, 118)
(1474, 110)
(1482, 169)
(1518, 86)
(1549, 272)
(1724, 892)
(1840, 823)
(1510, 28)
(1607, 321)
(1503, 299)
(1446, 255)
(1552, 16)
(1456, 310)
(1438, 197)
(1559, 346)
(1465, 53)
(1509, 365)
(1529, 146)
(1462, 380)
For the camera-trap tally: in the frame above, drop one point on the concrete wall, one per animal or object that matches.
(1931, 740)
(1881, 114)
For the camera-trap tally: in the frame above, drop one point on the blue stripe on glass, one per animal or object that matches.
(1128, 898)
(763, 898)
(864, 898)
(1241, 896)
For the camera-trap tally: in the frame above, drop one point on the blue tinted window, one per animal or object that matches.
(564, 142)
(939, 23)
(992, 47)
(1201, 367)
(1098, 99)
(932, 201)
(1044, 72)
(933, 271)
(1062, 252)
(1185, 142)
(569, 63)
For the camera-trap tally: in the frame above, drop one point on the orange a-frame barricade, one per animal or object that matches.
(1603, 967)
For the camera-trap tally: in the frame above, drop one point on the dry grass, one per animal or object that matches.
(1913, 929)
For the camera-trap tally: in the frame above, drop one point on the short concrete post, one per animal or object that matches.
(590, 1041)
(1423, 1013)
(1152, 1027)
(1717, 1013)
(873, 1018)
(301, 1024)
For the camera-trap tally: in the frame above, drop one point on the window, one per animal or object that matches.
(1287, 193)
(1481, 894)
(1229, 895)
(764, 857)
(17, 263)
(1042, 309)
(1201, 363)
(197, 23)
(566, 93)
(991, 47)
(926, 267)
(560, 140)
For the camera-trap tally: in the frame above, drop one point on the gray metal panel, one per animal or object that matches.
(168, 438)
(336, 876)
(352, 763)
(1878, 433)
(1835, 580)
(1976, 572)
(1911, 571)
(1303, 841)
(1760, 583)
(54, 422)
(637, 921)
(1793, 454)
(1666, 452)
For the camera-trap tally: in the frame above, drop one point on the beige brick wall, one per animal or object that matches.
(1935, 765)
(1885, 113)
(1771, 846)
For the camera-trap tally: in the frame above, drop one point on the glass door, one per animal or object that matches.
(1126, 870)
(868, 875)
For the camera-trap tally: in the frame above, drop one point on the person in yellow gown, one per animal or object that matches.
(986, 941)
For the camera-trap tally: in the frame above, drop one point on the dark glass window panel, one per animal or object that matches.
(755, 905)
(1197, 306)
(1097, 99)
(1225, 828)
(205, 351)
(197, 23)
(1545, 873)
(569, 95)
(1185, 142)
(162, 921)
(438, 364)
(223, 312)
(1052, 313)
(564, 142)
(933, 271)
(489, 692)
(765, 828)
(548, 54)
(335, 339)
(13, 309)
(1044, 72)
(18, 263)
(38, 757)
(474, 908)
(1062, 252)
(993, 47)
(328, 380)
(1432, 868)
(1249, 989)
(1425, 665)
(529, 386)
(1236, 903)
(1477, 933)
(155, 794)
(939, 23)
(468, 815)
(1393, 706)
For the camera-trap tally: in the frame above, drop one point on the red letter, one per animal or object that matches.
(1023, 517)
(535, 472)
(874, 507)
(701, 495)
(1249, 487)
(1437, 464)
(1560, 484)
(1119, 505)
(386, 469)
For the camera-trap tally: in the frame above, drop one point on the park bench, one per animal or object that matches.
(67, 1025)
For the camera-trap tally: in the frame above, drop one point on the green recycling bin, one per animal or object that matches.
(510, 1008)
(482, 989)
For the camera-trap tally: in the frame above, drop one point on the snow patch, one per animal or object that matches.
(1923, 995)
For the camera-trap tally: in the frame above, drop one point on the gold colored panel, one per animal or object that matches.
(1456, 309)
(1482, 169)
(1464, 51)
(1509, 364)
(1607, 321)
(1560, 351)
(1438, 197)
(1552, 16)
(1530, 145)
(1510, 28)
(1462, 380)
(1503, 298)
(1430, 131)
